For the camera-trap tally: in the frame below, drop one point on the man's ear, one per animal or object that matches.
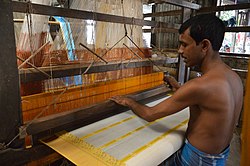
(205, 45)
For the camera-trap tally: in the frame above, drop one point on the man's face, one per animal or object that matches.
(188, 49)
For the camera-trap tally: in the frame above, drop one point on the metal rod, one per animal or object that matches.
(37, 51)
(93, 53)
(21, 59)
(138, 56)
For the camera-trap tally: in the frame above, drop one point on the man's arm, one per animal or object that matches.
(187, 95)
(140, 110)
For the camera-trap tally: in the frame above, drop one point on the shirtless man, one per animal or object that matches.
(214, 99)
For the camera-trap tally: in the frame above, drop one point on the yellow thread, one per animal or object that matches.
(128, 134)
(152, 142)
(90, 149)
(97, 92)
(108, 127)
(100, 155)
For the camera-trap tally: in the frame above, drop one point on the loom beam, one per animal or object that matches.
(29, 75)
(80, 117)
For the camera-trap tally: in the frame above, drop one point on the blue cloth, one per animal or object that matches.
(188, 155)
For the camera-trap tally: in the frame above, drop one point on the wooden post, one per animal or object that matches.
(183, 71)
(245, 138)
(10, 110)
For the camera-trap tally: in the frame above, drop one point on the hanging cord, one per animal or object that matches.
(125, 35)
(132, 27)
(131, 34)
(123, 13)
(29, 23)
(125, 28)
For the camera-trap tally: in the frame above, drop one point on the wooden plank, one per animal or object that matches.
(238, 29)
(163, 14)
(224, 8)
(25, 7)
(29, 75)
(160, 30)
(180, 3)
(234, 54)
(10, 111)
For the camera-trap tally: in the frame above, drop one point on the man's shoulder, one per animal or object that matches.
(200, 82)
(195, 86)
(206, 83)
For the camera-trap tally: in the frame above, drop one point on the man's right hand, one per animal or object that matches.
(174, 85)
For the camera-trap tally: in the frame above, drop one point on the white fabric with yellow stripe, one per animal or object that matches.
(124, 139)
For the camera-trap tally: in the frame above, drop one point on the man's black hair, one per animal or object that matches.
(205, 26)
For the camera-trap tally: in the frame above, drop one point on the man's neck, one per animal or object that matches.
(210, 62)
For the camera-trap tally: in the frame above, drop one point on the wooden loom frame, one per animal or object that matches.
(46, 126)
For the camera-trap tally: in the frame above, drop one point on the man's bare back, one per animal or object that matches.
(216, 115)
